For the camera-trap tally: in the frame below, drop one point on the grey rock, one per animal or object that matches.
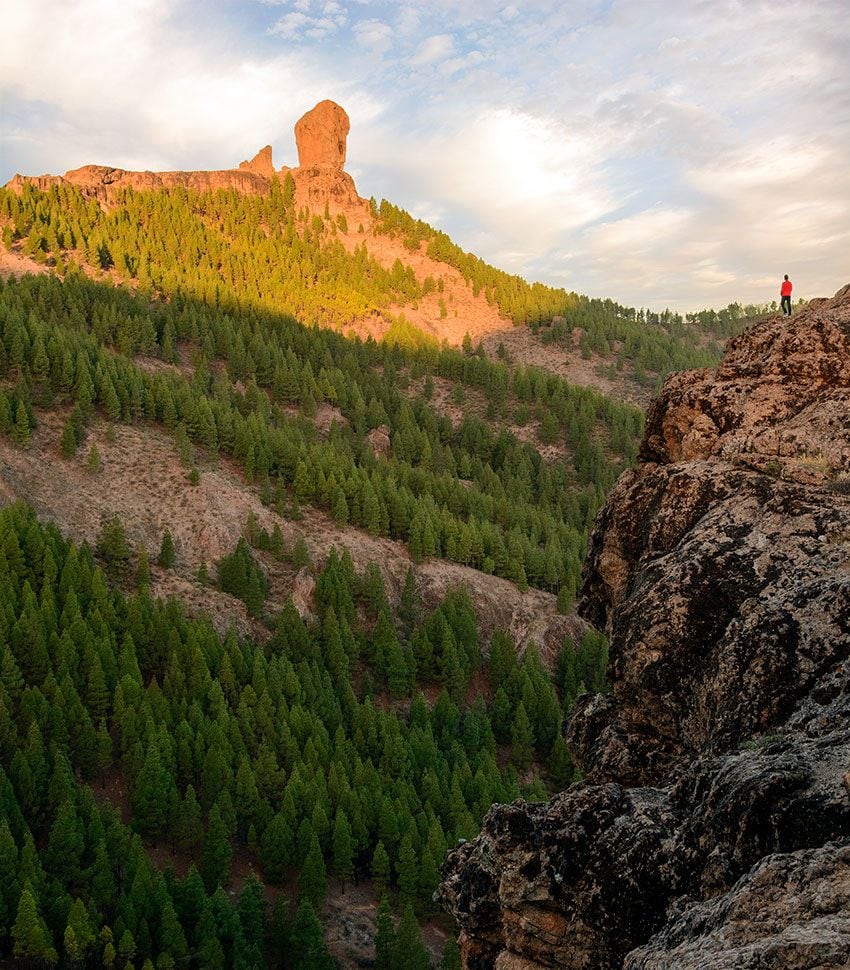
(713, 828)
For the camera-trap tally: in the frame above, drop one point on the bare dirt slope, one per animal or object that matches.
(524, 347)
(466, 313)
(16, 264)
(144, 483)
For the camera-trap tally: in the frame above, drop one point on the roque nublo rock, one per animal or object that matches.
(319, 178)
(320, 136)
(712, 829)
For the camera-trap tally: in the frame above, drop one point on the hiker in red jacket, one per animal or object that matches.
(785, 293)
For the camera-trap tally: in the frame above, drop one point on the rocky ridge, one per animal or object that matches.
(322, 187)
(713, 826)
(319, 178)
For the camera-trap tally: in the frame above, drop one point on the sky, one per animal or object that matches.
(662, 154)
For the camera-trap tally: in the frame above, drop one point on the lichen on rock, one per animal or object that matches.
(713, 827)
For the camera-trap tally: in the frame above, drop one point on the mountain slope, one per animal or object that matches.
(312, 593)
(327, 256)
(282, 612)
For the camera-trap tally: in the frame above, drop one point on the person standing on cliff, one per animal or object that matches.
(785, 293)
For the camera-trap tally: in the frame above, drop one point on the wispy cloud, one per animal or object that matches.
(435, 48)
(374, 34)
(310, 20)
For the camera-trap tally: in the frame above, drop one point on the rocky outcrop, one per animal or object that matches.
(103, 182)
(318, 187)
(260, 164)
(791, 912)
(547, 883)
(713, 825)
(320, 136)
(319, 180)
(720, 567)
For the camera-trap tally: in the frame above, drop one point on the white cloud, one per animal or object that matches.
(770, 164)
(374, 34)
(638, 234)
(137, 93)
(290, 24)
(433, 49)
(309, 20)
(520, 177)
(453, 65)
(408, 20)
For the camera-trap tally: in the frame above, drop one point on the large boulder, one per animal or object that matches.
(320, 136)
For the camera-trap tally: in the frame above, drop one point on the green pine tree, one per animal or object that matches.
(385, 938)
(380, 868)
(94, 463)
(407, 869)
(21, 428)
(307, 941)
(522, 738)
(343, 849)
(112, 545)
(172, 939)
(252, 914)
(69, 443)
(167, 556)
(410, 951)
(217, 852)
(312, 883)
(451, 955)
(276, 849)
(31, 940)
(79, 938)
(66, 843)
(150, 793)
(143, 568)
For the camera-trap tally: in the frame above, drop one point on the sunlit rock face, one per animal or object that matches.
(320, 135)
(260, 164)
(320, 181)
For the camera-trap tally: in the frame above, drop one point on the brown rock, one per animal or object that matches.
(547, 884)
(716, 565)
(316, 188)
(303, 587)
(320, 181)
(260, 164)
(379, 439)
(104, 182)
(320, 135)
(720, 568)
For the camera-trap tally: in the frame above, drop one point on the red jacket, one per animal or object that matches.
(786, 288)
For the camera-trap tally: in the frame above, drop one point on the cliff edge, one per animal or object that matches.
(713, 827)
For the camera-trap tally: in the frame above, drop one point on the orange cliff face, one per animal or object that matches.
(319, 179)
(321, 135)
(260, 164)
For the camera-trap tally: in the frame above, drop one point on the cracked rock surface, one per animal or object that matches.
(713, 826)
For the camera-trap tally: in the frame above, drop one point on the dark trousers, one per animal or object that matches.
(786, 305)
